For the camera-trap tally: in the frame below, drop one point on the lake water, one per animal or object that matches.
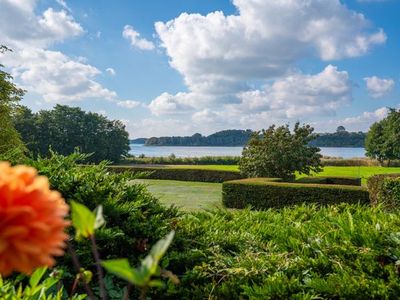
(180, 151)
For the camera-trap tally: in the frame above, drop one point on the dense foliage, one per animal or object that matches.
(135, 219)
(64, 128)
(262, 193)
(383, 139)
(305, 252)
(10, 95)
(384, 190)
(340, 180)
(221, 138)
(277, 152)
(182, 174)
(341, 138)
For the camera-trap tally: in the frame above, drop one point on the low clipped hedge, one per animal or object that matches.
(264, 193)
(181, 174)
(380, 186)
(341, 180)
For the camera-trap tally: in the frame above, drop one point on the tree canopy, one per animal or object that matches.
(383, 139)
(277, 152)
(64, 128)
(10, 95)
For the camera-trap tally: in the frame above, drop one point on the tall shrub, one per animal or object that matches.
(277, 152)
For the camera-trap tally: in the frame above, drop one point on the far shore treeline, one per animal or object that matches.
(340, 138)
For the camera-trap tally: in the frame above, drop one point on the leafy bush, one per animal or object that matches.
(383, 189)
(277, 152)
(134, 218)
(305, 252)
(182, 174)
(264, 194)
(340, 180)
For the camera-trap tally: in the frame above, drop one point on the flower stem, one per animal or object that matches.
(77, 265)
(100, 275)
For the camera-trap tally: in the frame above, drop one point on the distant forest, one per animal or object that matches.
(341, 138)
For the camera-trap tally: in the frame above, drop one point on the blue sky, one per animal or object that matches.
(180, 67)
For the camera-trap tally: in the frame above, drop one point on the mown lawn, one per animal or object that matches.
(187, 195)
(363, 171)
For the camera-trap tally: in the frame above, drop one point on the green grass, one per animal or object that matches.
(363, 171)
(187, 195)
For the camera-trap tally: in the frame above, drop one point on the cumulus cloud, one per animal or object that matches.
(379, 87)
(111, 71)
(64, 5)
(21, 27)
(216, 52)
(134, 38)
(361, 122)
(55, 76)
(128, 104)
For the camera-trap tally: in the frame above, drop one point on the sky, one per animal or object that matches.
(179, 67)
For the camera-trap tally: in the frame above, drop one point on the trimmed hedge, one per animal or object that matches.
(265, 193)
(341, 180)
(351, 162)
(378, 189)
(181, 174)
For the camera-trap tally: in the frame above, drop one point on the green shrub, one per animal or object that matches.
(305, 252)
(380, 189)
(350, 162)
(264, 194)
(183, 174)
(340, 180)
(134, 218)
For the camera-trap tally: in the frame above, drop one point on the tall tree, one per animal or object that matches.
(277, 152)
(64, 128)
(10, 95)
(383, 139)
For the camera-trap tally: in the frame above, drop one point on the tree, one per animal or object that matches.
(276, 152)
(340, 129)
(65, 128)
(383, 138)
(10, 95)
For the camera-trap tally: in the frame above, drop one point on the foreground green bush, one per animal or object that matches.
(181, 174)
(305, 252)
(134, 218)
(262, 193)
(385, 189)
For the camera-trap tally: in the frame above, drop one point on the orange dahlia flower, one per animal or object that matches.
(31, 220)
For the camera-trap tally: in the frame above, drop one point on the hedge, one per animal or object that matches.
(378, 188)
(340, 180)
(182, 174)
(266, 193)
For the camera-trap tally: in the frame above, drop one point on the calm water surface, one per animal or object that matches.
(180, 151)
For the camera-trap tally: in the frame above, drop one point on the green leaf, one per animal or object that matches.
(122, 269)
(36, 277)
(84, 221)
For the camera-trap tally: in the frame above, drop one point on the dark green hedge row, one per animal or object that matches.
(182, 174)
(340, 180)
(262, 193)
(377, 188)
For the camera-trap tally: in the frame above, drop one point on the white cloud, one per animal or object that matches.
(167, 104)
(134, 38)
(128, 104)
(21, 27)
(111, 71)
(64, 5)
(55, 76)
(361, 122)
(379, 87)
(219, 54)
